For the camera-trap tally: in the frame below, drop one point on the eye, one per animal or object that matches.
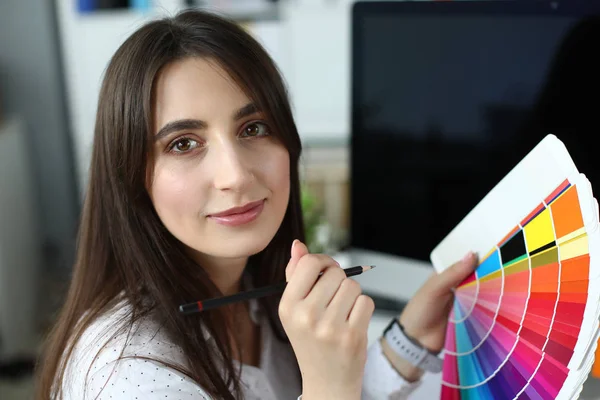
(255, 129)
(183, 145)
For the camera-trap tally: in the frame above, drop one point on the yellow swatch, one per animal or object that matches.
(539, 231)
(574, 248)
(517, 267)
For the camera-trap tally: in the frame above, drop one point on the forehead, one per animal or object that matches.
(195, 88)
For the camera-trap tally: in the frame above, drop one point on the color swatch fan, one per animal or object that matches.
(525, 324)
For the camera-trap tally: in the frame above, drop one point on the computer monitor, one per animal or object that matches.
(448, 96)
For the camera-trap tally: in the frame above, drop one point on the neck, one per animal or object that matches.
(226, 273)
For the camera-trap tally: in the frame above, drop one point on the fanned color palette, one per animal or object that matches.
(525, 324)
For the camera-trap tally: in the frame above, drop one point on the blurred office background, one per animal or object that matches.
(52, 56)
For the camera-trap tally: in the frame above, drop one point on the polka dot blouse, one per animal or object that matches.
(98, 370)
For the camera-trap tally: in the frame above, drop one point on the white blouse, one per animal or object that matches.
(130, 376)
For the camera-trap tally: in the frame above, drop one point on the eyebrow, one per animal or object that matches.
(189, 123)
(179, 125)
(246, 111)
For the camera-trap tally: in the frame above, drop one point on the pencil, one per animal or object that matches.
(203, 305)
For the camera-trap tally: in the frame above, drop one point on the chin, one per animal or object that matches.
(223, 242)
(244, 241)
(238, 245)
(248, 248)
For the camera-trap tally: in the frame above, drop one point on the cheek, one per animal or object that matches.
(171, 190)
(276, 169)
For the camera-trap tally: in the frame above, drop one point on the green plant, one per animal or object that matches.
(313, 215)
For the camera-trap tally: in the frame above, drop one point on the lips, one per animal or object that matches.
(239, 215)
(238, 210)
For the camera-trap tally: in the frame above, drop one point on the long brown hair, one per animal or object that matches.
(123, 247)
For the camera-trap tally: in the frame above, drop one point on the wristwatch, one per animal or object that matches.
(409, 349)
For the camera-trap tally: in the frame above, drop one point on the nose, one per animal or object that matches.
(233, 169)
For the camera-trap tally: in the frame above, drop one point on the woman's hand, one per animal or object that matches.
(326, 319)
(425, 317)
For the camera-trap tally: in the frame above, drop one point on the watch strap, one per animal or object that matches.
(410, 350)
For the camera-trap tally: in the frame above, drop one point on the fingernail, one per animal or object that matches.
(467, 257)
(293, 245)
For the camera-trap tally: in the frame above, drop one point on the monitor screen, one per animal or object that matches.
(448, 96)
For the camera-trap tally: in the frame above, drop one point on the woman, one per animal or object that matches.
(193, 194)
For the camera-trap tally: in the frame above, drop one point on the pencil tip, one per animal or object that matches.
(373, 266)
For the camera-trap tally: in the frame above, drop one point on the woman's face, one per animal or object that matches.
(221, 181)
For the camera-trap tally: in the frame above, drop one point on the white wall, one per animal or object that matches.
(318, 67)
(88, 42)
(314, 62)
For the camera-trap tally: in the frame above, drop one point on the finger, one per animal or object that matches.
(455, 274)
(326, 287)
(306, 274)
(298, 250)
(361, 313)
(340, 306)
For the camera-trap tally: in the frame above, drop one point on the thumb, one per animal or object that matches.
(298, 251)
(455, 274)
